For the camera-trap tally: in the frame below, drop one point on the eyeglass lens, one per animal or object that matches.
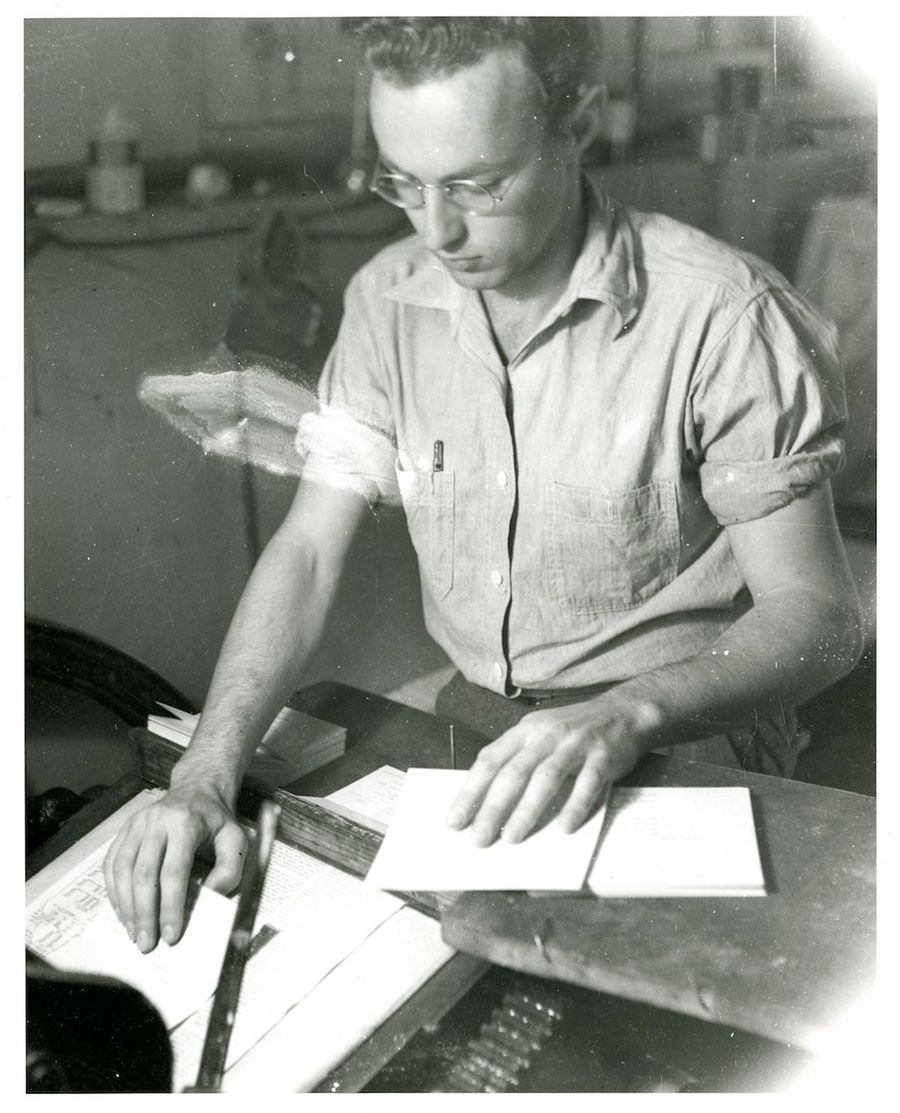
(468, 196)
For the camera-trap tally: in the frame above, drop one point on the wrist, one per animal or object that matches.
(641, 711)
(196, 774)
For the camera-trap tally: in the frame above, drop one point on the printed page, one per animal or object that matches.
(294, 879)
(298, 888)
(678, 842)
(345, 1008)
(374, 795)
(72, 925)
(369, 802)
(421, 852)
(74, 857)
(317, 931)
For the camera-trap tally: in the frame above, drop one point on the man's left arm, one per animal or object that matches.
(802, 634)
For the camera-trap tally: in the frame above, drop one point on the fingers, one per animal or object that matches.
(145, 889)
(117, 867)
(517, 778)
(174, 879)
(513, 779)
(591, 783)
(230, 845)
(543, 786)
(148, 866)
(490, 761)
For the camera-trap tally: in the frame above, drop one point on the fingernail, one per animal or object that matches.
(168, 933)
(511, 834)
(481, 838)
(456, 819)
(130, 929)
(143, 942)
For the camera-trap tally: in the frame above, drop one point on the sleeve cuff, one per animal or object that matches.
(341, 451)
(741, 491)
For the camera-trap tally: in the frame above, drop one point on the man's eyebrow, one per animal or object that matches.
(465, 173)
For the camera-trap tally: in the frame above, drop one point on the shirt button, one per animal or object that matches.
(502, 478)
(497, 578)
(498, 670)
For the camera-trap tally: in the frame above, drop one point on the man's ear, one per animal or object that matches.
(586, 118)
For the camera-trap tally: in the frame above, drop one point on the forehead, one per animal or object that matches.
(488, 113)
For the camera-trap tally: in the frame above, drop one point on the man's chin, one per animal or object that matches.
(475, 279)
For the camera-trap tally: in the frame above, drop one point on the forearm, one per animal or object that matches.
(790, 645)
(275, 629)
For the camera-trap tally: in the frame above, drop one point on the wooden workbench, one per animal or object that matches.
(782, 966)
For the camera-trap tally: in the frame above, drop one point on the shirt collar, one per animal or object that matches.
(604, 271)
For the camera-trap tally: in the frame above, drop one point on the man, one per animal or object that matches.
(612, 437)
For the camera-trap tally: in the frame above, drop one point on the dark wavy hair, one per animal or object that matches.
(408, 50)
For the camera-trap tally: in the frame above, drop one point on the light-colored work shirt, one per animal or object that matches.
(568, 507)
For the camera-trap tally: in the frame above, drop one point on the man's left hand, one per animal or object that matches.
(516, 777)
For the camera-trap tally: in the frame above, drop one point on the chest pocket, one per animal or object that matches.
(610, 550)
(428, 500)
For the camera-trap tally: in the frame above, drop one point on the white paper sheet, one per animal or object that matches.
(345, 1008)
(678, 842)
(318, 931)
(72, 925)
(421, 852)
(294, 879)
(374, 796)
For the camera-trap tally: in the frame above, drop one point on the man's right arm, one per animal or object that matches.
(276, 628)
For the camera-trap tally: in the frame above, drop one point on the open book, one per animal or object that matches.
(645, 842)
(330, 961)
(295, 743)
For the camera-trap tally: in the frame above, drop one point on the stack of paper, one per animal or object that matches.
(678, 842)
(420, 851)
(295, 743)
(647, 842)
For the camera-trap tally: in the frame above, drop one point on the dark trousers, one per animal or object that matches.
(769, 745)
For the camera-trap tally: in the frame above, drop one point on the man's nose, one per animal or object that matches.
(442, 223)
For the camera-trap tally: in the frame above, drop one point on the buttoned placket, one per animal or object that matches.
(472, 331)
(500, 489)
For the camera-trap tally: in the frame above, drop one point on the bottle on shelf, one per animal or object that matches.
(115, 176)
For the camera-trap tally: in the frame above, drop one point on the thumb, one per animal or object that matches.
(229, 844)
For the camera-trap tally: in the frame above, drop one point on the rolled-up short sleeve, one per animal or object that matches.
(767, 408)
(351, 442)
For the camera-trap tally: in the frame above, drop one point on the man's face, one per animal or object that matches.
(484, 123)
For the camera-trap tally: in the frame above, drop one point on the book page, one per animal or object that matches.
(317, 932)
(678, 842)
(420, 851)
(294, 879)
(345, 1008)
(74, 856)
(369, 802)
(72, 926)
(374, 795)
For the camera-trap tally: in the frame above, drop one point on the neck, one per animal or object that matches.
(516, 310)
(536, 290)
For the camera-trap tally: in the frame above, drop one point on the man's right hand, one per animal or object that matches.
(148, 866)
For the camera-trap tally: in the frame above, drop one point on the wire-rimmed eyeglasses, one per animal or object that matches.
(407, 192)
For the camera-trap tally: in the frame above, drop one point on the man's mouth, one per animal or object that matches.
(461, 262)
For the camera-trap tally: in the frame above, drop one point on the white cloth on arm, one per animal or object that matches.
(234, 409)
(341, 451)
(260, 414)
